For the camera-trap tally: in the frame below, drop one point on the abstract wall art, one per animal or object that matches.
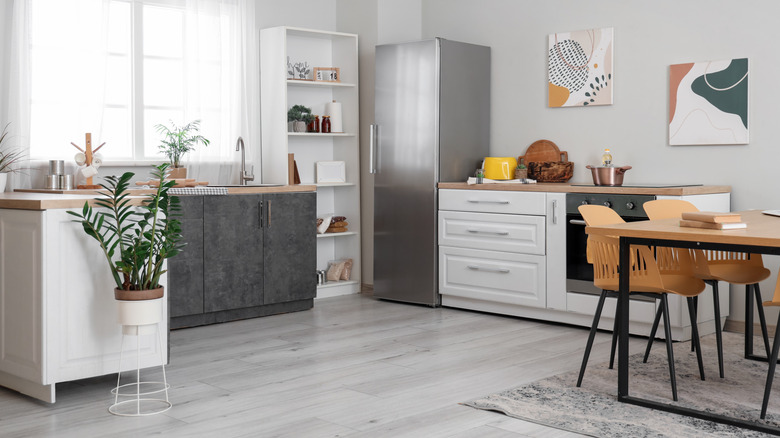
(708, 102)
(579, 68)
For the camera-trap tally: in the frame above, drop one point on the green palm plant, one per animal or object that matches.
(178, 140)
(144, 239)
(9, 159)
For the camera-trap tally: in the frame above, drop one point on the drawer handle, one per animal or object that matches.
(577, 222)
(477, 201)
(482, 268)
(499, 233)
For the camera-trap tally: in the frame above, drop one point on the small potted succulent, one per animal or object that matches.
(177, 141)
(521, 172)
(298, 117)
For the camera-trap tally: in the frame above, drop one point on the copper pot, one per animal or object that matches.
(608, 176)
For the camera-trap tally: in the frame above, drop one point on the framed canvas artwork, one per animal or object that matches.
(579, 68)
(708, 102)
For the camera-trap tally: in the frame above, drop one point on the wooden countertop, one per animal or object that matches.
(569, 188)
(41, 199)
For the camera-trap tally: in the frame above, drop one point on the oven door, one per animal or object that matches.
(579, 273)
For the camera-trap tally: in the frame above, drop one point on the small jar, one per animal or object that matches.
(325, 124)
(316, 123)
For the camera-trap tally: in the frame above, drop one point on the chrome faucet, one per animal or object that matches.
(244, 177)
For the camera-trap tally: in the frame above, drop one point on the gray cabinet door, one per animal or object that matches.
(185, 270)
(290, 247)
(233, 252)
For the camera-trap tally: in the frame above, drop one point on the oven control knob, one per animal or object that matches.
(608, 204)
(630, 205)
(584, 202)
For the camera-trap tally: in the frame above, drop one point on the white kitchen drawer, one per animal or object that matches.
(493, 201)
(489, 231)
(492, 276)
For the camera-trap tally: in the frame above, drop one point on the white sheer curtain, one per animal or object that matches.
(219, 82)
(17, 87)
(222, 61)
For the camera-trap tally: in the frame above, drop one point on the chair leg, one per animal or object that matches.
(761, 317)
(718, 328)
(615, 330)
(652, 333)
(695, 336)
(771, 373)
(669, 349)
(592, 335)
(695, 315)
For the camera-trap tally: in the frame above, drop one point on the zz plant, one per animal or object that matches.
(135, 242)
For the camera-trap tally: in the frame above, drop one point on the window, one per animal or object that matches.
(116, 68)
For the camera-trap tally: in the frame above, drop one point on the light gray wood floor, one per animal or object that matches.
(351, 367)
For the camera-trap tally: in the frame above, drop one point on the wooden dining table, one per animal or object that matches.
(761, 236)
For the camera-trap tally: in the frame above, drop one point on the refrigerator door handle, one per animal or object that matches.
(372, 142)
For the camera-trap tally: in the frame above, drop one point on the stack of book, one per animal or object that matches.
(712, 220)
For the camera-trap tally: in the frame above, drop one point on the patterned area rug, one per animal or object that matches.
(593, 409)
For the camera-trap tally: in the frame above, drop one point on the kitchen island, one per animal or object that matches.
(518, 249)
(58, 318)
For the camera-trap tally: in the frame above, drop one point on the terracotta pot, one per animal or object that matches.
(177, 172)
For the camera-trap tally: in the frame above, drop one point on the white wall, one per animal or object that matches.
(649, 36)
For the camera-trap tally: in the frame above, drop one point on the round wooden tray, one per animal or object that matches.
(543, 150)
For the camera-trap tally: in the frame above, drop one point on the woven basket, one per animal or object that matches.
(551, 171)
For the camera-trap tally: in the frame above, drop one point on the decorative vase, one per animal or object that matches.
(3, 180)
(139, 307)
(299, 126)
(177, 172)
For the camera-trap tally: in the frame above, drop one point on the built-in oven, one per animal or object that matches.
(579, 273)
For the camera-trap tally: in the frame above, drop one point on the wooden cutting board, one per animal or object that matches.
(543, 150)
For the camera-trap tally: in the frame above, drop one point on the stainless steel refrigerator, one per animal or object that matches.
(432, 124)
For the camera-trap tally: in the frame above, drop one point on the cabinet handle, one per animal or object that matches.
(269, 214)
(482, 268)
(372, 144)
(500, 233)
(477, 201)
(555, 212)
(260, 213)
(577, 222)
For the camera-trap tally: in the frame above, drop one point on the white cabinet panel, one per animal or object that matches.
(493, 201)
(20, 291)
(492, 276)
(497, 232)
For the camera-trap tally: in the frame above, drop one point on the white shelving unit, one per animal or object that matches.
(278, 94)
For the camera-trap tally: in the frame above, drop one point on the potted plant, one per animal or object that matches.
(521, 172)
(177, 141)
(299, 116)
(135, 242)
(9, 159)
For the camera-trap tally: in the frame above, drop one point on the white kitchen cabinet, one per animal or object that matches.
(58, 320)
(278, 94)
(492, 248)
(504, 251)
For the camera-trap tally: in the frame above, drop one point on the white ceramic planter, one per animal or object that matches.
(141, 312)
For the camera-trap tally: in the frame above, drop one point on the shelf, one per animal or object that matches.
(305, 83)
(320, 134)
(331, 235)
(337, 288)
(344, 184)
(336, 284)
